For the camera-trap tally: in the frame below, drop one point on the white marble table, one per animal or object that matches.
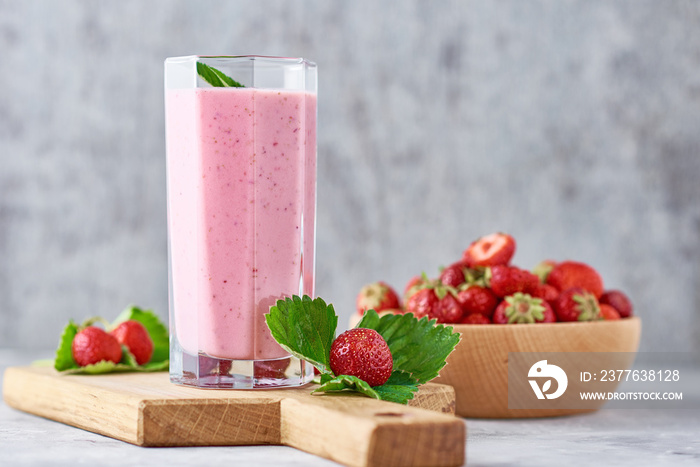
(608, 437)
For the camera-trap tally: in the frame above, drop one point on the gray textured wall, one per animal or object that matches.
(573, 125)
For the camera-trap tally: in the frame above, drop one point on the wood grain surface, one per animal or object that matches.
(147, 410)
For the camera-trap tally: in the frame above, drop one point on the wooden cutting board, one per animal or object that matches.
(146, 409)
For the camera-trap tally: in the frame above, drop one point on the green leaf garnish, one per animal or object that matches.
(399, 388)
(215, 77)
(109, 367)
(64, 352)
(305, 328)
(419, 347)
(128, 358)
(155, 327)
(158, 332)
(353, 383)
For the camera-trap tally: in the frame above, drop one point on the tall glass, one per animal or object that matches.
(241, 174)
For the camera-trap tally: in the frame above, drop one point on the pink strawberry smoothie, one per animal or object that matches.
(241, 209)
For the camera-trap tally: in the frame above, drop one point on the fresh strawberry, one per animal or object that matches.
(422, 303)
(523, 308)
(134, 336)
(453, 275)
(478, 300)
(413, 286)
(477, 276)
(447, 310)
(362, 353)
(506, 280)
(543, 269)
(497, 248)
(475, 318)
(546, 292)
(619, 301)
(92, 345)
(577, 304)
(607, 312)
(377, 296)
(569, 274)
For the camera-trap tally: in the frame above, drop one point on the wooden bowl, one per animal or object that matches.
(478, 367)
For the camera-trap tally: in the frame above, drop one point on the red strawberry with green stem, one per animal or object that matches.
(507, 280)
(490, 250)
(619, 301)
(362, 353)
(476, 299)
(414, 285)
(568, 274)
(436, 301)
(521, 308)
(134, 336)
(453, 275)
(92, 345)
(447, 309)
(543, 269)
(422, 303)
(608, 313)
(577, 304)
(377, 296)
(546, 292)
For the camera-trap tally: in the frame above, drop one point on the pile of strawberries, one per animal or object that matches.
(92, 344)
(483, 288)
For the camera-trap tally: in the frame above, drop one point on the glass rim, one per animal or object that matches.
(264, 58)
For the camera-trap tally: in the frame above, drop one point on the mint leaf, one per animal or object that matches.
(305, 328)
(64, 352)
(400, 388)
(155, 327)
(215, 77)
(419, 347)
(342, 382)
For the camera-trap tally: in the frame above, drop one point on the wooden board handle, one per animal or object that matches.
(358, 431)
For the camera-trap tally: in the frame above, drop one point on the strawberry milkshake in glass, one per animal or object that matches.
(241, 176)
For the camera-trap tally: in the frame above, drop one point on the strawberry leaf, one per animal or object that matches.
(342, 382)
(400, 388)
(128, 358)
(105, 366)
(155, 327)
(305, 328)
(419, 346)
(64, 353)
